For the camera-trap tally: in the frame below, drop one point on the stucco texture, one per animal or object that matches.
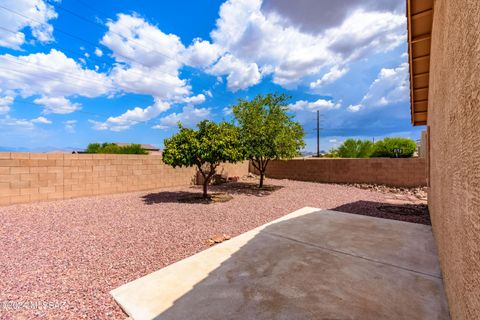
(454, 120)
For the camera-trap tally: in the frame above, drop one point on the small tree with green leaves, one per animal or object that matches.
(395, 148)
(352, 148)
(206, 148)
(267, 131)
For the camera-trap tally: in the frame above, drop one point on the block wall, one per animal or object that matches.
(402, 172)
(30, 177)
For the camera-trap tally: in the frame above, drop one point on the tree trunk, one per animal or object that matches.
(262, 174)
(205, 186)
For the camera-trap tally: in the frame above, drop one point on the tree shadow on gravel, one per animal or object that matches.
(246, 188)
(416, 213)
(217, 193)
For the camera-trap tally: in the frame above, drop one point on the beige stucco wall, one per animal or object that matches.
(454, 120)
(402, 172)
(30, 177)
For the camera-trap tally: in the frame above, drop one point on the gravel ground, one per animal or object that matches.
(71, 253)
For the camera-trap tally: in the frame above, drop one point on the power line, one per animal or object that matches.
(71, 35)
(93, 58)
(86, 41)
(97, 24)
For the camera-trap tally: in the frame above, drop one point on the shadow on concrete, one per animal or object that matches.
(194, 196)
(313, 266)
(416, 213)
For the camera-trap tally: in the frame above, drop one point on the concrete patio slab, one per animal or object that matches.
(310, 264)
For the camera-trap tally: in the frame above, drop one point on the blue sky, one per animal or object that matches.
(75, 72)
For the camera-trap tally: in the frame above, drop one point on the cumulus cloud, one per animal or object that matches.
(198, 99)
(59, 105)
(279, 44)
(69, 125)
(314, 105)
(391, 86)
(201, 53)
(313, 16)
(240, 75)
(42, 120)
(331, 76)
(189, 117)
(5, 103)
(131, 117)
(53, 76)
(40, 13)
(23, 123)
(149, 59)
(98, 52)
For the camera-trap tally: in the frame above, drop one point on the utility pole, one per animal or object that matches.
(318, 133)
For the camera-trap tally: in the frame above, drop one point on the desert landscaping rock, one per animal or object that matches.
(74, 252)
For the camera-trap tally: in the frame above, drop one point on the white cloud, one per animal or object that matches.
(59, 105)
(39, 12)
(240, 75)
(98, 125)
(198, 99)
(5, 103)
(132, 117)
(201, 53)
(314, 105)
(189, 117)
(98, 52)
(227, 111)
(42, 120)
(278, 45)
(69, 125)
(331, 76)
(149, 59)
(23, 123)
(354, 107)
(391, 86)
(50, 75)
(313, 16)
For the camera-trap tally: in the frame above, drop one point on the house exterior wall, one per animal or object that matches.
(402, 172)
(454, 159)
(30, 177)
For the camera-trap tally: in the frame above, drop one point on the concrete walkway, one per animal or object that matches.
(310, 264)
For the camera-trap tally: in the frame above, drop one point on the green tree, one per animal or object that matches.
(206, 148)
(266, 130)
(113, 148)
(332, 153)
(394, 148)
(352, 148)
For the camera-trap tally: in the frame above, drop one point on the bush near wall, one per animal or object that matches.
(394, 148)
(112, 148)
(386, 148)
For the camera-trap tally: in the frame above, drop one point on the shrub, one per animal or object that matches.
(352, 148)
(394, 148)
(113, 148)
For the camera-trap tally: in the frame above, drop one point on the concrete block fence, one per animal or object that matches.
(31, 177)
(402, 172)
